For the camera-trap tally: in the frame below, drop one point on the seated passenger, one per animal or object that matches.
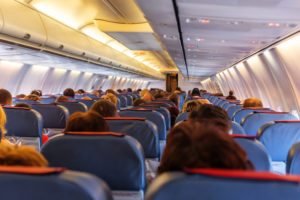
(21, 96)
(129, 90)
(62, 99)
(80, 91)
(69, 92)
(111, 97)
(195, 92)
(86, 98)
(110, 91)
(138, 102)
(23, 105)
(32, 97)
(105, 108)
(253, 103)
(230, 96)
(158, 95)
(147, 97)
(173, 109)
(37, 92)
(14, 155)
(5, 97)
(174, 98)
(89, 122)
(191, 105)
(96, 92)
(202, 145)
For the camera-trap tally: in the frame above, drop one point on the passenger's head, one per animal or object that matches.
(105, 108)
(191, 105)
(211, 112)
(158, 95)
(147, 97)
(69, 92)
(62, 99)
(89, 122)
(95, 92)
(110, 91)
(143, 92)
(138, 102)
(111, 97)
(13, 155)
(32, 97)
(86, 98)
(201, 145)
(80, 91)
(5, 97)
(178, 89)
(129, 90)
(252, 102)
(2, 121)
(174, 98)
(173, 114)
(36, 92)
(195, 92)
(23, 105)
(230, 92)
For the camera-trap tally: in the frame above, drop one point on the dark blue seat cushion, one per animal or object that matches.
(240, 114)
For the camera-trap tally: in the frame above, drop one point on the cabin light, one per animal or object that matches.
(117, 46)
(200, 39)
(10, 63)
(188, 39)
(95, 33)
(129, 53)
(187, 20)
(140, 59)
(274, 24)
(205, 21)
(190, 46)
(223, 41)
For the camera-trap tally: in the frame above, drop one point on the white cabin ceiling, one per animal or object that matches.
(218, 33)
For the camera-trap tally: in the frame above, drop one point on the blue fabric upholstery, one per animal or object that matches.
(123, 101)
(278, 137)
(129, 99)
(54, 116)
(258, 186)
(156, 117)
(254, 121)
(74, 106)
(237, 128)
(293, 160)
(181, 117)
(240, 114)
(232, 109)
(166, 101)
(256, 151)
(162, 110)
(88, 103)
(142, 130)
(23, 122)
(118, 103)
(48, 100)
(67, 185)
(118, 160)
(29, 102)
(156, 103)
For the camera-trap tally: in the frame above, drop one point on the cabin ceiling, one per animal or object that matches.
(218, 33)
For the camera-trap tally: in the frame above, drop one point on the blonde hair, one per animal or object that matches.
(143, 92)
(2, 121)
(112, 98)
(13, 155)
(252, 102)
(33, 97)
(86, 98)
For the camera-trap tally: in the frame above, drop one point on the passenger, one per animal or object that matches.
(105, 108)
(90, 122)
(62, 99)
(173, 113)
(36, 92)
(119, 90)
(158, 95)
(69, 92)
(230, 96)
(111, 97)
(195, 92)
(14, 155)
(174, 98)
(211, 112)
(148, 97)
(21, 96)
(138, 102)
(191, 105)
(110, 91)
(143, 92)
(80, 91)
(178, 89)
(23, 105)
(129, 90)
(5, 97)
(96, 92)
(86, 98)
(32, 97)
(253, 103)
(202, 145)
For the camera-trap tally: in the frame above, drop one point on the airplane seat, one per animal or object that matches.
(278, 137)
(48, 100)
(240, 114)
(118, 104)
(165, 101)
(36, 183)
(217, 184)
(123, 101)
(144, 131)
(24, 126)
(129, 99)
(181, 117)
(256, 151)
(293, 160)
(157, 103)
(116, 158)
(162, 110)
(237, 128)
(228, 103)
(29, 102)
(74, 106)
(54, 117)
(88, 103)
(232, 109)
(221, 102)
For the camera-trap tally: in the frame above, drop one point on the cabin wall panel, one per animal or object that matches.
(11, 73)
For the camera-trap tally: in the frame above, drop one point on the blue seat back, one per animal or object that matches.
(293, 160)
(48, 100)
(118, 103)
(256, 152)
(88, 103)
(156, 117)
(165, 101)
(36, 183)
(255, 120)
(240, 114)
(29, 102)
(223, 184)
(237, 128)
(232, 109)
(123, 101)
(74, 106)
(23, 122)
(157, 103)
(115, 158)
(54, 116)
(139, 128)
(278, 137)
(162, 110)
(229, 103)
(129, 99)
(181, 117)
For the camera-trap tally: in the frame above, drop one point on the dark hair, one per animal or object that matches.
(178, 88)
(208, 111)
(129, 90)
(23, 105)
(89, 121)
(110, 91)
(230, 92)
(230, 96)
(119, 90)
(62, 99)
(138, 102)
(173, 113)
(174, 98)
(36, 92)
(104, 108)
(195, 92)
(202, 145)
(5, 97)
(69, 92)
(158, 95)
(80, 91)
